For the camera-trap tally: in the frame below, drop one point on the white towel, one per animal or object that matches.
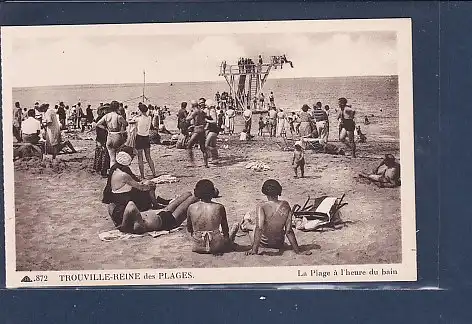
(257, 166)
(165, 178)
(114, 235)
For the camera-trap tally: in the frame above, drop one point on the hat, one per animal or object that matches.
(123, 158)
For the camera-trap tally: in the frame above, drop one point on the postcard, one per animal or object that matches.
(274, 152)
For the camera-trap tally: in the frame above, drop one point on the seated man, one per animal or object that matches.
(133, 205)
(204, 220)
(274, 222)
(31, 128)
(386, 174)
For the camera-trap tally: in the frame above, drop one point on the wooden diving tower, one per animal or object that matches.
(246, 81)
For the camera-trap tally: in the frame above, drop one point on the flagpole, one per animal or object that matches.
(144, 83)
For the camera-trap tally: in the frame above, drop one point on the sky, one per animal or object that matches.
(80, 59)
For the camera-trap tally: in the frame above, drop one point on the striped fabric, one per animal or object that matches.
(320, 115)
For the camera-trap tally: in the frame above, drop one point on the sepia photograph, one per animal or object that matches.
(209, 153)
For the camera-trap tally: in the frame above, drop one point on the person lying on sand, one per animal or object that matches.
(128, 198)
(386, 174)
(273, 223)
(137, 222)
(204, 220)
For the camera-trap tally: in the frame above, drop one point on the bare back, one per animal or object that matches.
(276, 216)
(206, 216)
(114, 122)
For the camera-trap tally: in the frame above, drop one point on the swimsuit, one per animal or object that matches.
(204, 241)
(141, 199)
(142, 142)
(115, 140)
(200, 138)
(348, 124)
(168, 221)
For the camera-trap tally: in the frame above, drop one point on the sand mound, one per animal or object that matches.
(37, 165)
(28, 151)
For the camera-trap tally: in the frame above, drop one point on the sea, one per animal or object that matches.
(373, 96)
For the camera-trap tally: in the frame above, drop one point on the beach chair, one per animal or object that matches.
(318, 213)
(312, 143)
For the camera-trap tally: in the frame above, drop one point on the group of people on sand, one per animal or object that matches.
(116, 128)
(41, 127)
(134, 207)
(224, 100)
(201, 125)
(311, 123)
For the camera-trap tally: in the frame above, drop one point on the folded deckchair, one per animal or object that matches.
(318, 213)
(312, 143)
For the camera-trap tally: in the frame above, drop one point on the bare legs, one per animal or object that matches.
(178, 207)
(200, 138)
(210, 144)
(302, 169)
(112, 155)
(59, 147)
(350, 142)
(147, 153)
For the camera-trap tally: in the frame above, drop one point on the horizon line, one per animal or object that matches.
(201, 81)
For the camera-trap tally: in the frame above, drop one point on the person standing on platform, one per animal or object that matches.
(272, 99)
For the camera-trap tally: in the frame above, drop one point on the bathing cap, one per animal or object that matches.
(123, 158)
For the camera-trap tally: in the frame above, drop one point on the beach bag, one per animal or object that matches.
(318, 213)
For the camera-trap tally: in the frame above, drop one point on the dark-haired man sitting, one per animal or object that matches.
(31, 128)
(273, 223)
(204, 220)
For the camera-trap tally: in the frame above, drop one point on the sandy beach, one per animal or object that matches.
(59, 213)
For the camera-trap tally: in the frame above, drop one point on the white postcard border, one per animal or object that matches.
(404, 271)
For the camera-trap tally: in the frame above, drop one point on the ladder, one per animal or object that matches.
(253, 90)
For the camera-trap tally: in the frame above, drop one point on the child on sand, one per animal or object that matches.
(298, 160)
(262, 125)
